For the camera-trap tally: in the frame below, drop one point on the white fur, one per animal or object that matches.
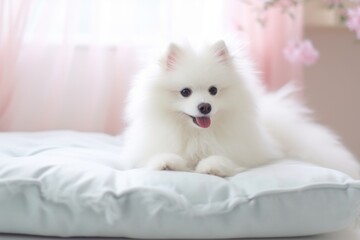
(249, 127)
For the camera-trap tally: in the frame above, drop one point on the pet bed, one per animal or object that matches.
(64, 183)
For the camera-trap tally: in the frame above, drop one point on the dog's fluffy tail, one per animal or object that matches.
(290, 123)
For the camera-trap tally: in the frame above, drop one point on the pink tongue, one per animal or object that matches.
(203, 122)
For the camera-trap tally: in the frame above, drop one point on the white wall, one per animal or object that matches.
(332, 86)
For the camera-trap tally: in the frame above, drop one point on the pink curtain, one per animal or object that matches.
(268, 42)
(13, 17)
(51, 77)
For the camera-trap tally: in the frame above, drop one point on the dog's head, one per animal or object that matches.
(200, 86)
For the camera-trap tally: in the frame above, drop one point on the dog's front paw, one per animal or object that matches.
(218, 166)
(167, 161)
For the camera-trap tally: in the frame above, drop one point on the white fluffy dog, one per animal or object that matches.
(203, 111)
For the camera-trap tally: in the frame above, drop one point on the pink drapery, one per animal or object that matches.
(58, 80)
(12, 23)
(267, 42)
(54, 81)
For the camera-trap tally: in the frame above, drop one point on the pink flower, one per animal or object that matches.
(301, 52)
(353, 22)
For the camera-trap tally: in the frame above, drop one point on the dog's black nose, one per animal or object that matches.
(204, 108)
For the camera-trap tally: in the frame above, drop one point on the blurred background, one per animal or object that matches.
(67, 64)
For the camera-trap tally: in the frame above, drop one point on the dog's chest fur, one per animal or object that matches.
(197, 145)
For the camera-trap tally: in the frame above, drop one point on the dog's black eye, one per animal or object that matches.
(213, 90)
(186, 92)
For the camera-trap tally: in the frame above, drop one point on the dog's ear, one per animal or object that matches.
(221, 51)
(172, 57)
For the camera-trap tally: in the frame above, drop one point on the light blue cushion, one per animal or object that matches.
(64, 184)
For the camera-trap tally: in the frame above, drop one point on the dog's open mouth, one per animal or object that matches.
(203, 122)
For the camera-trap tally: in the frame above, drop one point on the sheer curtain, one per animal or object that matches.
(66, 64)
(268, 41)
